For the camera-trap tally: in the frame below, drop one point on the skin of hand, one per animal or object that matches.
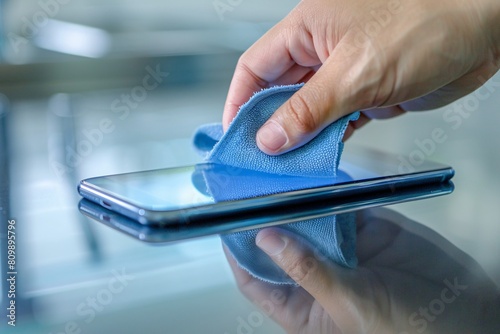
(409, 280)
(383, 57)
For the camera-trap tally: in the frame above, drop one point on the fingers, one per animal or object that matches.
(287, 305)
(267, 60)
(331, 285)
(253, 288)
(243, 85)
(284, 55)
(322, 100)
(297, 260)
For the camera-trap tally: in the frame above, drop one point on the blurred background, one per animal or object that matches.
(93, 88)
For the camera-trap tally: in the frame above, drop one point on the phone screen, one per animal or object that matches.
(164, 189)
(185, 187)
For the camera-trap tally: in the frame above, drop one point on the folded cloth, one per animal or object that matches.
(237, 147)
(334, 237)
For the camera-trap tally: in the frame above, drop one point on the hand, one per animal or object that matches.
(382, 56)
(409, 280)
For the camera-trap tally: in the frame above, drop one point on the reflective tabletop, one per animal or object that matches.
(77, 274)
(428, 266)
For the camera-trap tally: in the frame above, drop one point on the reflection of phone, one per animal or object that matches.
(166, 234)
(208, 192)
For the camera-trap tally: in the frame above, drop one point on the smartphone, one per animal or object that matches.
(172, 233)
(208, 192)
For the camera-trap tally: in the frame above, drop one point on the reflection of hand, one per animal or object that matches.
(409, 280)
(392, 55)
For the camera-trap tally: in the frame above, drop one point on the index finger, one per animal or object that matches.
(263, 63)
(287, 305)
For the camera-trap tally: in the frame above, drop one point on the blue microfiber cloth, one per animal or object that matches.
(334, 236)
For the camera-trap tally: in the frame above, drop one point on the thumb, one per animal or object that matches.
(305, 114)
(330, 284)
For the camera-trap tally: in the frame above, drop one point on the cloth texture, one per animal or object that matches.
(333, 237)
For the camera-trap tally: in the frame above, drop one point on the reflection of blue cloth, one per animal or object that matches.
(226, 183)
(333, 236)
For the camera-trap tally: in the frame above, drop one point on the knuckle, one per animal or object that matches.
(301, 114)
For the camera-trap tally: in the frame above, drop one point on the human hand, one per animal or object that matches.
(409, 280)
(383, 57)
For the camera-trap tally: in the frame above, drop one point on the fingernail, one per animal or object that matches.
(271, 243)
(272, 136)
